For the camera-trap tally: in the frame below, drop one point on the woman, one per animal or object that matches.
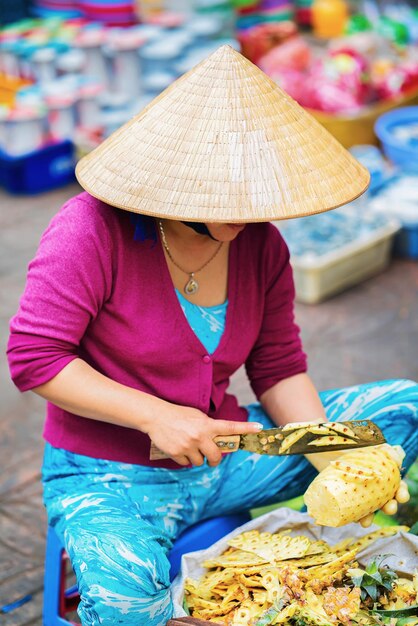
(133, 321)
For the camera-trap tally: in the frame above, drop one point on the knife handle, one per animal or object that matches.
(227, 443)
(155, 454)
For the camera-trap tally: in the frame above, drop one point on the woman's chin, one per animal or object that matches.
(225, 232)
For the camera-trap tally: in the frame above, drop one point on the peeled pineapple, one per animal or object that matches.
(356, 484)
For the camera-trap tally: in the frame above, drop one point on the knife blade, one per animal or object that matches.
(299, 438)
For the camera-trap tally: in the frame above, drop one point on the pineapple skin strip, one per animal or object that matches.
(291, 439)
(240, 596)
(321, 571)
(343, 430)
(329, 440)
(387, 531)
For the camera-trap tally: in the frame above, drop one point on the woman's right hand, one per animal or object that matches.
(186, 434)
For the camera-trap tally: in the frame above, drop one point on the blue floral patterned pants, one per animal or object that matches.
(118, 521)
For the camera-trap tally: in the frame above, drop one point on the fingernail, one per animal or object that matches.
(258, 426)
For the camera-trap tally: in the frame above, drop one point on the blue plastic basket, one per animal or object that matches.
(401, 153)
(406, 242)
(38, 171)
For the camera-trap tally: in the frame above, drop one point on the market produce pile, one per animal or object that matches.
(275, 578)
(347, 75)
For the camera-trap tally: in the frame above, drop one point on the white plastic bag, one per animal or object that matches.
(402, 548)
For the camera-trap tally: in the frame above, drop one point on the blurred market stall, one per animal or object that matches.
(73, 72)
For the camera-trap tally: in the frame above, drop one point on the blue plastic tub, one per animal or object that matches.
(400, 150)
(399, 200)
(38, 171)
(406, 242)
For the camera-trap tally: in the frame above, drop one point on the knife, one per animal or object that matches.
(298, 438)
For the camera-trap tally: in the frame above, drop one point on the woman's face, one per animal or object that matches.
(225, 232)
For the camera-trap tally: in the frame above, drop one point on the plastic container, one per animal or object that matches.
(399, 199)
(9, 59)
(86, 140)
(317, 278)
(155, 83)
(149, 32)
(168, 20)
(61, 116)
(4, 112)
(39, 171)
(9, 87)
(71, 63)
(160, 56)
(109, 12)
(329, 18)
(87, 105)
(43, 64)
(55, 8)
(115, 111)
(406, 242)
(398, 133)
(191, 59)
(204, 28)
(25, 130)
(92, 42)
(381, 172)
(146, 9)
(126, 62)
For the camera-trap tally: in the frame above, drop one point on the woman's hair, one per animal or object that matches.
(145, 227)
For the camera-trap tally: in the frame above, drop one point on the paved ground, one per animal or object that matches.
(367, 333)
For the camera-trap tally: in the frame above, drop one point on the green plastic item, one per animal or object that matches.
(244, 4)
(12, 29)
(22, 25)
(358, 23)
(286, 16)
(395, 31)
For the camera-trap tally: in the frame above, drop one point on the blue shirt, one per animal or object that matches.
(207, 322)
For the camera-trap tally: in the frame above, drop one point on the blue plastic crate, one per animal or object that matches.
(41, 170)
(406, 242)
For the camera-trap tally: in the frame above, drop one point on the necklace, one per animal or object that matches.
(192, 286)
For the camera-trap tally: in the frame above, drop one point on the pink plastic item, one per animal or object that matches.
(293, 54)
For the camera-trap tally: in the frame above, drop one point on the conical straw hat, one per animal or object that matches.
(223, 144)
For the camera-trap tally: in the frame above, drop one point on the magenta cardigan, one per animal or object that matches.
(96, 293)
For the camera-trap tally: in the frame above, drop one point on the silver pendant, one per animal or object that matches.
(191, 286)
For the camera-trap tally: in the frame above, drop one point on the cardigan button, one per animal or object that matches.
(206, 359)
